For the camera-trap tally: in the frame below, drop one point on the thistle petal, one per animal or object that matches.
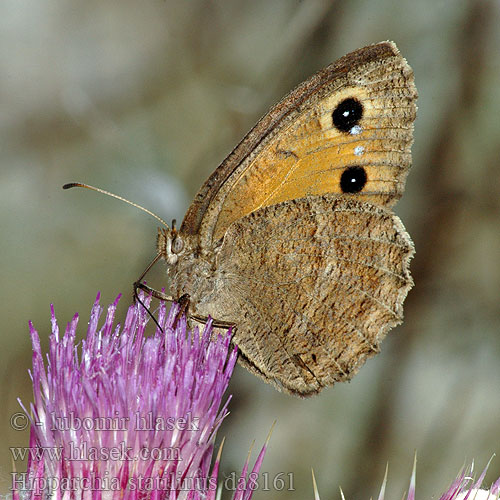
(127, 416)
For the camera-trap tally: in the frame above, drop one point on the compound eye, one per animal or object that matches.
(177, 245)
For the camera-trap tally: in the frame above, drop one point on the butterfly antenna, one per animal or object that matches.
(79, 184)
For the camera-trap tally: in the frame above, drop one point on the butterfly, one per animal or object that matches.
(292, 240)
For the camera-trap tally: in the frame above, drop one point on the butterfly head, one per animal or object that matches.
(169, 244)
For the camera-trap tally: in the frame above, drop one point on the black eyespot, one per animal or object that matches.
(347, 114)
(353, 180)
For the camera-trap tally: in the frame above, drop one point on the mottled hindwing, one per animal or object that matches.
(314, 284)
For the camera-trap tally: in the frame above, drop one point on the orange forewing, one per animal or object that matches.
(308, 158)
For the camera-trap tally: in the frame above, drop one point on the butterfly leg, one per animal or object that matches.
(155, 293)
(215, 323)
(183, 302)
(152, 292)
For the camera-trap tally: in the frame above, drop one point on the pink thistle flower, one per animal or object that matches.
(128, 416)
(464, 487)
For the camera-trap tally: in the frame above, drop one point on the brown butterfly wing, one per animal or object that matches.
(314, 285)
(312, 275)
(346, 129)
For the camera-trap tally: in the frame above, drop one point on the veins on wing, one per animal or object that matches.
(286, 154)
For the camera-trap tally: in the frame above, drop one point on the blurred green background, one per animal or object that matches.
(145, 98)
